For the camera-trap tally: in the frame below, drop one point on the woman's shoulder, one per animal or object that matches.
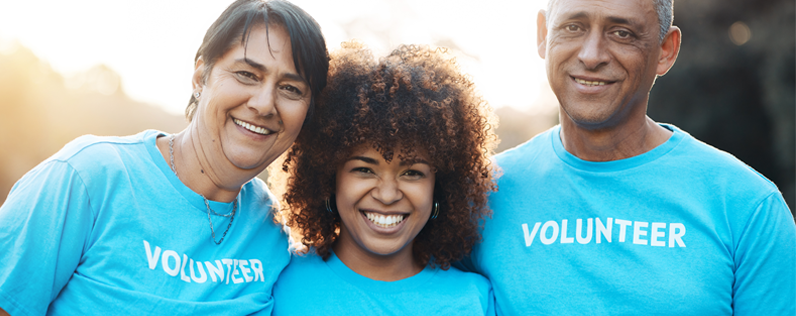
(456, 278)
(464, 276)
(98, 143)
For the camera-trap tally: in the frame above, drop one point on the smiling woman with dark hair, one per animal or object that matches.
(387, 189)
(163, 224)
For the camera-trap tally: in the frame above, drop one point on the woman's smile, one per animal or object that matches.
(389, 222)
(383, 205)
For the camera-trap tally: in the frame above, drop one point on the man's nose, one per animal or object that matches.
(594, 51)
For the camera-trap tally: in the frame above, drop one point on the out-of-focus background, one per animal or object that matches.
(76, 67)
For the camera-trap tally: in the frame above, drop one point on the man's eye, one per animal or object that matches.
(572, 28)
(622, 34)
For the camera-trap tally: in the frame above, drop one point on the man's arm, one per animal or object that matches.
(765, 261)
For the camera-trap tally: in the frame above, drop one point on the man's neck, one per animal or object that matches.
(613, 143)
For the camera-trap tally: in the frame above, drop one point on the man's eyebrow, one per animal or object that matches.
(261, 67)
(364, 159)
(618, 20)
(612, 19)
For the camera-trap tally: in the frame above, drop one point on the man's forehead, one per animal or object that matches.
(616, 10)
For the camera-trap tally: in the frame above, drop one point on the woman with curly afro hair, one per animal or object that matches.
(388, 190)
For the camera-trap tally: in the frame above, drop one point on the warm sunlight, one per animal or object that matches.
(151, 44)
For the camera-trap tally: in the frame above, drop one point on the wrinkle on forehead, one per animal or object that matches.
(603, 9)
(630, 12)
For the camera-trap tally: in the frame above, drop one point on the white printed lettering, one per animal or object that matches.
(543, 235)
(165, 262)
(202, 277)
(152, 258)
(579, 229)
(656, 233)
(214, 271)
(604, 230)
(623, 224)
(676, 232)
(244, 270)
(239, 270)
(529, 238)
(637, 233)
(182, 269)
(228, 263)
(235, 272)
(257, 267)
(644, 233)
(564, 238)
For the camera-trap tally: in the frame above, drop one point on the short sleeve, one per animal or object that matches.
(44, 227)
(765, 257)
(491, 304)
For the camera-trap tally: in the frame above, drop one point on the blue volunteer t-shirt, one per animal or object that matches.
(311, 286)
(104, 227)
(684, 229)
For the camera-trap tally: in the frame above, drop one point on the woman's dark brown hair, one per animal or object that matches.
(414, 98)
(235, 24)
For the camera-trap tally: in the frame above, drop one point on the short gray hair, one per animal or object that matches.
(664, 9)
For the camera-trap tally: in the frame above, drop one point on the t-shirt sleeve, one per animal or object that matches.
(491, 307)
(765, 257)
(44, 226)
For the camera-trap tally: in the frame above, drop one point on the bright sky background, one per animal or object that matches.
(152, 43)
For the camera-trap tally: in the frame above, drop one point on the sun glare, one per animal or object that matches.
(151, 44)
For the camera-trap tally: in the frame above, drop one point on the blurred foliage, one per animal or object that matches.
(40, 111)
(739, 96)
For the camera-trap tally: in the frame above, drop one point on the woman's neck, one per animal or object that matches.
(196, 170)
(392, 267)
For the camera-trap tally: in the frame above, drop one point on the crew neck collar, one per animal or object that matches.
(621, 164)
(338, 267)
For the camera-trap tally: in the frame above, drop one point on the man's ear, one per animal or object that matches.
(541, 33)
(198, 73)
(670, 48)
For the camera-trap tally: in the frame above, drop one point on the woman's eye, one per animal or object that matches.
(246, 75)
(414, 174)
(362, 170)
(292, 89)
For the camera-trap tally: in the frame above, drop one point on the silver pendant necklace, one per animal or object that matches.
(231, 215)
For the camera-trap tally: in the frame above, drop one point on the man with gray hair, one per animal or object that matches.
(611, 213)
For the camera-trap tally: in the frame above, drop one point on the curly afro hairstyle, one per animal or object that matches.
(414, 98)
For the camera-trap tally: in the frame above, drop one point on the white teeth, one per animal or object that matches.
(385, 221)
(590, 83)
(255, 129)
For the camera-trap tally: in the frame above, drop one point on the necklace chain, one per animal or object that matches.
(231, 215)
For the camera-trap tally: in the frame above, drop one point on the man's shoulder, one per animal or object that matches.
(718, 166)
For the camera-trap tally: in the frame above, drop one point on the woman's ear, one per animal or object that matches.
(198, 73)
